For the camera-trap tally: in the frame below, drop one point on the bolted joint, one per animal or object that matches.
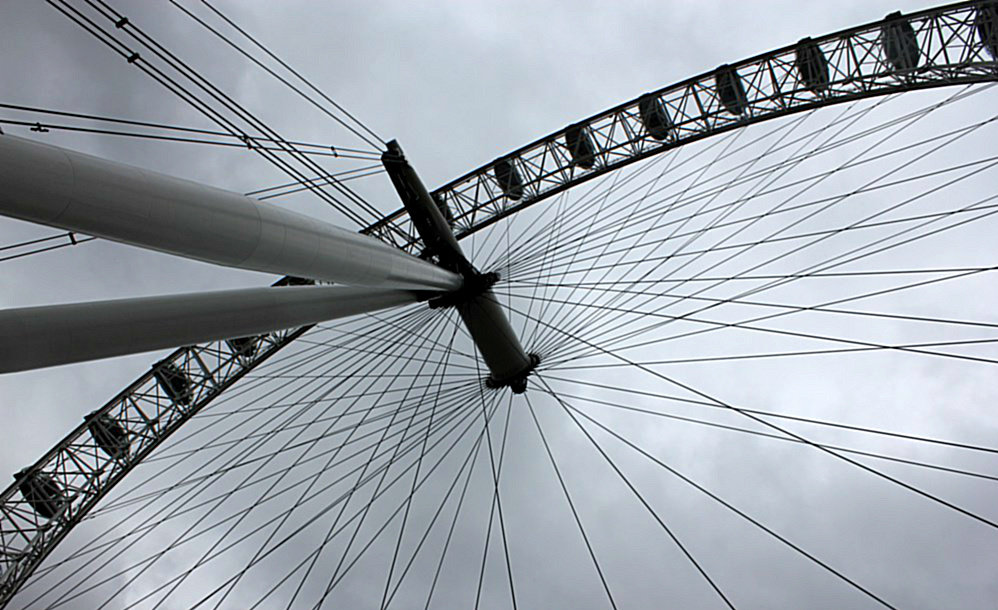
(517, 383)
(474, 286)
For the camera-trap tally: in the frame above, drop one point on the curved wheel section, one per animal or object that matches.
(49, 498)
(956, 44)
(933, 48)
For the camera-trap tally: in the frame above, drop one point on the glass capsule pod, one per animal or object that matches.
(508, 178)
(109, 434)
(244, 346)
(174, 382)
(580, 146)
(811, 65)
(899, 43)
(654, 117)
(291, 280)
(41, 492)
(730, 90)
(445, 210)
(986, 23)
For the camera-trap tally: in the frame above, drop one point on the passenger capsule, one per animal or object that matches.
(109, 435)
(243, 346)
(730, 90)
(580, 145)
(654, 116)
(41, 492)
(174, 382)
(444, 209)
(812, 67)
(508, 178)
(899, 43)
(986, 23)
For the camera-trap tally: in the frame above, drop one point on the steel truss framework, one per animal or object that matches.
(951, 45)
(98, 454)
(955, 44)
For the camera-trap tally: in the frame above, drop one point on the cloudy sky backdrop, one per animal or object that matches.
(458, 84)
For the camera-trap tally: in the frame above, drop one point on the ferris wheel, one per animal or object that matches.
(663, 355)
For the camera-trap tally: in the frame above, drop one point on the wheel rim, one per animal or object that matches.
(551, 339)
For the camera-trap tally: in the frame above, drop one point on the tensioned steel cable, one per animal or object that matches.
(647, 505)
(260, 527)
(234, 543)
(782, 430)
(320, 361)
(818, 151)
(46, 127)
(523, 254)
(776, 331)
(122, 23)
(831, 233)
(410, 314)
(436, 515)
(775, 415)
(300, 412)
(789, 306)
(763, 355)
(469, 460)
(190, 130)
(780, 204)
(378, 532)
(494, 401)
(571, 504)
(422, 365)
(720, 426)
(496, 502)
(231, 528)
(71, 239)
(377, 143)
(772, 148)
(814, 559)
(356, 514)
(988, 162)
(405, 517)
(172, 85)
(585, 320)
(110, 40)
(828, 264)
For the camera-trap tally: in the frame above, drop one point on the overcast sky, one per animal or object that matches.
(459, 84)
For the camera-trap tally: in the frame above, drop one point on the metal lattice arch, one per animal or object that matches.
(948, 49)
(951, 45)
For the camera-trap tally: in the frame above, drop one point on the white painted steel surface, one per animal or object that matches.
(36, 337)
(77, 192)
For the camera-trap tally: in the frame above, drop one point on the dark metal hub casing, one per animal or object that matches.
(482, 314)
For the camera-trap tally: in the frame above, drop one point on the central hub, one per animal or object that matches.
(474, 285)
(508, 364)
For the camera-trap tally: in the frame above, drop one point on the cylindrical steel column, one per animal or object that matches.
(487, 324)
(77, 192)
(36, 337)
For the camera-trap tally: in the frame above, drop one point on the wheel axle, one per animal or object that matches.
(474, 285)
(483, 316)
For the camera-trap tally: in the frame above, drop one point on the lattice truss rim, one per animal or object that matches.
(81, 468)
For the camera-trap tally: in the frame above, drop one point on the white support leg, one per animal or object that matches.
(36, 337)
(77, 192)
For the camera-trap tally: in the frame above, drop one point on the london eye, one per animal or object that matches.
(726, 342)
